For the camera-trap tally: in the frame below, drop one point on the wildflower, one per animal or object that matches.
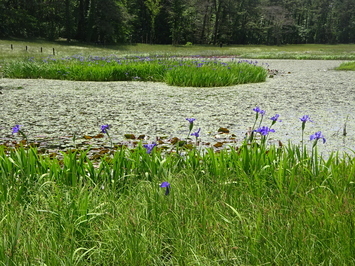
(316, 136)
(258, 110)
(167, 186)
(104, 128)
(191, 120)
(305, 119)
(197, 133)
(16, 129)
(275, 118)
(149, 147)
(264, 130)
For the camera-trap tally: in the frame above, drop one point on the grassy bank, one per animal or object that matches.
(61, 48)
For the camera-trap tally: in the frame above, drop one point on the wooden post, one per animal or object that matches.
(41, 50)
(26, 48)
(12, 47)
(53, 51)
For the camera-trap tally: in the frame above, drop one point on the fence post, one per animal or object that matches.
(53, 51)
(12, 47)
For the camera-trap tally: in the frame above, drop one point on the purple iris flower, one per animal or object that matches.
(316, 136)
(258, 110)
(275, 118)
(16, 129)
(104, 128)
(305, 119)
(167, 186)
(197, 133)
(149, 147)
(191, 120)
(264, 130)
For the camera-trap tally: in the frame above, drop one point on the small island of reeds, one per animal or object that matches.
(194, 72)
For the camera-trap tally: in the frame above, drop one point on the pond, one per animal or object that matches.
(53, 110)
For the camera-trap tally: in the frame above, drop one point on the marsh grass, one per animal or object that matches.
(213, 74)
(248, 206)
(347, 66)
(179, 72)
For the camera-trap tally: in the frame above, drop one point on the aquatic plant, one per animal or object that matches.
(104, 129)
(149, 147)
(304, 119)
(17, 129)
(191, 125)
(317, 136)
(166, 185)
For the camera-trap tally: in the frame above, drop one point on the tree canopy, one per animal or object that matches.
(271, 22)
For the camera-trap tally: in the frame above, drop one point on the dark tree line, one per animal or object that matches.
(181, 21)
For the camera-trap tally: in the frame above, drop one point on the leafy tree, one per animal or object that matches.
(154, 7)
(181, 21)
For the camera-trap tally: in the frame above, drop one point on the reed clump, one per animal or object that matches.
(197, 72)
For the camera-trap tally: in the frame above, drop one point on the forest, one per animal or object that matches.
(181, 22)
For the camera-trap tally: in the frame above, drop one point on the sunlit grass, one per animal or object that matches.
(347, 66)
(208, 74)
(196, 72)
(247, 206)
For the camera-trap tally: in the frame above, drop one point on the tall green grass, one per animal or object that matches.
(347, 66)
(248, 206)
(178, 72)
(212, 74)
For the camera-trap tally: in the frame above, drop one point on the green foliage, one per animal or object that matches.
(347, 66)
(214, 75)
(198, 73)
(180, 21)
(249, 206)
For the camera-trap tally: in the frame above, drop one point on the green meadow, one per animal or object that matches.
(251, 204)
(62, 48)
